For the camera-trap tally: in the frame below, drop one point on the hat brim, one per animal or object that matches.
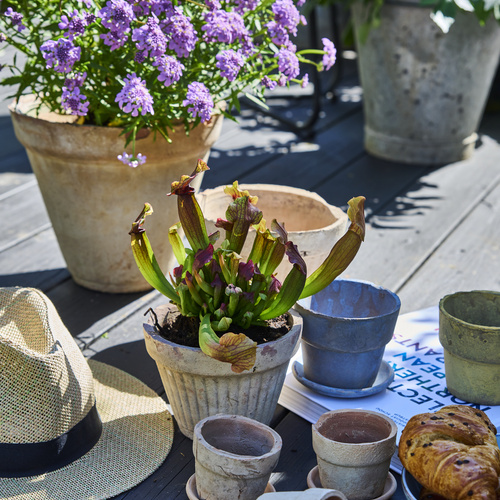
(136, 438)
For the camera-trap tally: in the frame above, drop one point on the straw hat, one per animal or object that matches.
(69, 429)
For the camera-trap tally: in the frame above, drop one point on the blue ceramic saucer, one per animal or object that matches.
(384, 378)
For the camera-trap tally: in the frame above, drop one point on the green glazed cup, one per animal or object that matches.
(469, 331)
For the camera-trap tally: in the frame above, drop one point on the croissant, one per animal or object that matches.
(453, 453)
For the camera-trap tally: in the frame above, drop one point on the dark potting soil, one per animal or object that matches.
(184, 331)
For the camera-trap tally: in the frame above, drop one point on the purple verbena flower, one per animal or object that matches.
(229, 62)
(180, 33)
(331, 53)
(225, 27)
(88, 3)
(170, 69)
(300, 3)
(286, 20)
(135, 96)
(16, 18)
(132, 161)
(199, 101)
(116, 16)
(305, 81)
(282, 80)
(60, 55)
(72, 82)
(74, 102)
(288, 63)
(268, 83)
(74, 24)
(150, 38)
(244, 5)
(213, 4)
(2, 37)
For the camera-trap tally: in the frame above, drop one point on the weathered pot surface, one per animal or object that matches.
(197, 386)
(312, 224)
(346, 328)
(85, 188)
(315, 493)
(354, 450)
(469, 331)
(234, 457)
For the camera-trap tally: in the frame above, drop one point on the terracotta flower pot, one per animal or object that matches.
(199, 386)
(469, 331)
(234, 457)
(92, 198)
(354, 450)
(312, 224)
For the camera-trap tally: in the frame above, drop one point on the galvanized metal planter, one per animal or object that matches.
(469, 331)
(424, 91)
(199, 386)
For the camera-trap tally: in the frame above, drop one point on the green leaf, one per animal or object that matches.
(342, 253)
(145, 258)
(236, 349)
(176, 243)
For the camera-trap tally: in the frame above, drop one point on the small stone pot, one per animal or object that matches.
(354, 450)
(469, 331)
(234, 457)
(311, 494)
(346, 328)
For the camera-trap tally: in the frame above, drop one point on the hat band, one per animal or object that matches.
(32, 459)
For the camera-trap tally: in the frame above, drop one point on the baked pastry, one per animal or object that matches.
(453, 453)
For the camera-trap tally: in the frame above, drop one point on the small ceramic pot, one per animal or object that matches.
(354, 450)
(469, 331)
(346, 327)
(234, 457)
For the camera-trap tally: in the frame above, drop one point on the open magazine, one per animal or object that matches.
(419, 385)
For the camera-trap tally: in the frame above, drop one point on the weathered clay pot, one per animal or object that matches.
(469, 331)
(92, 198)
(354, 450)
(312, 224)
(311, 494)
(346, 328)
(420, 105)
(198, 386)
(234, 457)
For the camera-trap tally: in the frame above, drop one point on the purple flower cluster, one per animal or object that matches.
(229, 62)
(245, 5)
(60, 55)
(15, 18)
(181, 34)
(116, 16)
(286, 20)
(135, 96)
(331, 53)
(74, 24)
(151, 40)
(199, 101)
(131, 160)
(268, 83)
(288, 63)
(72, 99)
(170, 69)
(213, 4)
(224, 27)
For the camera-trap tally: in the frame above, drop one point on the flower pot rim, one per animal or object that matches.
(150, 329)
(276, 446)
(337, 212)
(303, 309)
(485, 329)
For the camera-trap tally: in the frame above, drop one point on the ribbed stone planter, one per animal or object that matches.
(312, 224)
(197, 386)
(424, 91)
(469, 331)
(92, 198)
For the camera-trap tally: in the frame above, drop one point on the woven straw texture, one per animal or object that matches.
(45, 382)
(137, 426)
(137, 436)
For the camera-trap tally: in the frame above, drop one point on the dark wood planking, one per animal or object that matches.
(468, 259)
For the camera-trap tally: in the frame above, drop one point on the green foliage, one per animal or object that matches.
(219, 287)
